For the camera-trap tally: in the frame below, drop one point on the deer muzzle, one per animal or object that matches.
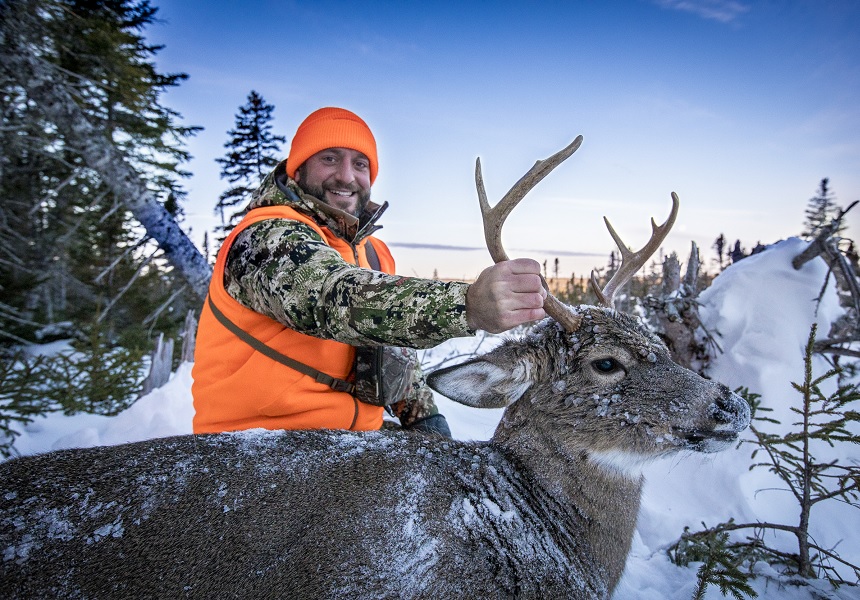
(729, 416)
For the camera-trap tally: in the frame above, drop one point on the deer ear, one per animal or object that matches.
(481, 383)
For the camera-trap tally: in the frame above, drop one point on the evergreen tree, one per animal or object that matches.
(86, 85)
(206, 250)
(105, 380)
(251, 153)
(799, 460)
(612, 265)
(737, 252)
(720, 247)
(820, 211)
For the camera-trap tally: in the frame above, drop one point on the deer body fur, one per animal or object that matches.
(546, 508)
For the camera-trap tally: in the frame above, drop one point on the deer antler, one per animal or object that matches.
(631, 261)
(494, 219)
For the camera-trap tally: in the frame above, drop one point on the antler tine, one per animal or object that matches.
(494, 219)
(631, 261)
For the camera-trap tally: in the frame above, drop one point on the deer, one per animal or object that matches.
(544, 509)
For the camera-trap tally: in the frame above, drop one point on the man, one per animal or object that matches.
(303, 298)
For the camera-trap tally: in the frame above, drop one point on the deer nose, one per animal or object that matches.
(732, 411)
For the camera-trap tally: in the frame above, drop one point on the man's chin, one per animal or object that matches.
(349, 205)
(353, 204)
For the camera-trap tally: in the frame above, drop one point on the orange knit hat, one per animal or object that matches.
(332, 128)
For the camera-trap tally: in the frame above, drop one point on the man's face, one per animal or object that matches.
(340, 177)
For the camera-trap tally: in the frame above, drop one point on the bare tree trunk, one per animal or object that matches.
(677, 310)
(43, 85)
(846, 328)
(189, 337)
(160, 367)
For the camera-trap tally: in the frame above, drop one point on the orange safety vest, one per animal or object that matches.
(236, 387)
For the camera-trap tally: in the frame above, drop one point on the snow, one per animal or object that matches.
(164, 412)
(761, 310)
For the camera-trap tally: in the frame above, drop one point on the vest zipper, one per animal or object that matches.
(354, 399)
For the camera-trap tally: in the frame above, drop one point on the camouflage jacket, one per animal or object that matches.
(283, 269)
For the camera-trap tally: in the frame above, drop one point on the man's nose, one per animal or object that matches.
(345, 172)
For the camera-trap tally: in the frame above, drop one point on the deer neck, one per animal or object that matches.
(598, 492)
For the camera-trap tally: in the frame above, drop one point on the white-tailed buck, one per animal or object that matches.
(545, 509)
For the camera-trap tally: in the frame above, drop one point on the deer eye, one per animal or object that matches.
(606, 365)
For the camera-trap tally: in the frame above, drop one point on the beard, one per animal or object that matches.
(318, 192)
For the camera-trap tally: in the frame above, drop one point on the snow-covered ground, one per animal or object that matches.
(762, 308)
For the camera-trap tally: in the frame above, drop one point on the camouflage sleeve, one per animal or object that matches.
(418, 403)
(284, 270)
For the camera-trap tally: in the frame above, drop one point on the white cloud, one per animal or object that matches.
(724, 11)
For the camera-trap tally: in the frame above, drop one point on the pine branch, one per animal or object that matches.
(126, 287)
(832, 346)
(151, 317)
(63, 239)
(107, 270)
(835, 557)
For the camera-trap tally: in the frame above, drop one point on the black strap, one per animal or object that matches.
(338, 385)
(372, 256)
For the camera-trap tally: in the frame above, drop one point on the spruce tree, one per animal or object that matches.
(720, 247)
(737, 252)
(251, 153)
(70, 245)
(820, 211)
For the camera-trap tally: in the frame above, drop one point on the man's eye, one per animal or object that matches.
(606, 365)
(362, 166)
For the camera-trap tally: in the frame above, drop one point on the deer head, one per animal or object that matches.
(594, 380)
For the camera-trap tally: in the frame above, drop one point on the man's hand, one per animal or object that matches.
(505, 295)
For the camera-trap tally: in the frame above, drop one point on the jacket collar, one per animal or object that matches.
(277, 188)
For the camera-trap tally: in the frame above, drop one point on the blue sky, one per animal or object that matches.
(740, 107)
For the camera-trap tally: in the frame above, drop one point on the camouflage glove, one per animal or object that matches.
(434, 425)
(418, 411)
